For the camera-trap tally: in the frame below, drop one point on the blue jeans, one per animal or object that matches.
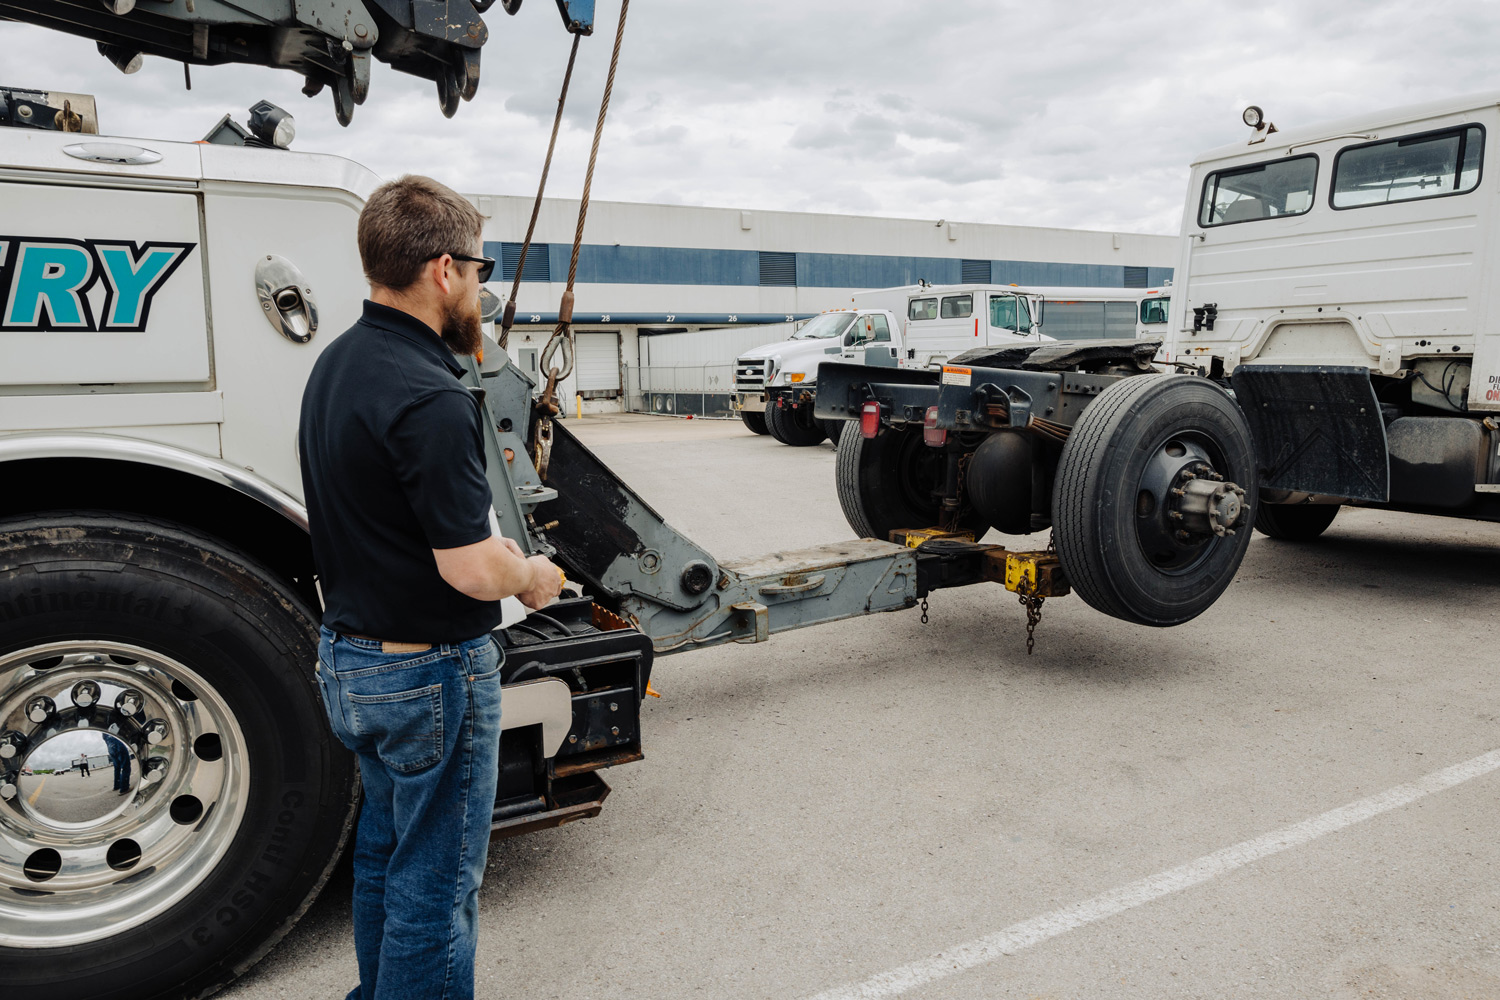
(426, 727)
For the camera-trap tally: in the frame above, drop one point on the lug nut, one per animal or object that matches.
(85, 694)
(129, 702)
(156, 731)
(7, 787)
(154, 770)
(12, 744)
(39, 709)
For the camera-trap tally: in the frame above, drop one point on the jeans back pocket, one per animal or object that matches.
(405, 726)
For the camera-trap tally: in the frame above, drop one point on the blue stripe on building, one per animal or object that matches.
(634, 265)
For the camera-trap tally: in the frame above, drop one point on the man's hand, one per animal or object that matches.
(547, 581)
(496, 568)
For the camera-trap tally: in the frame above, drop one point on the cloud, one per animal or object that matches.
(1079, 113)
(662, 135)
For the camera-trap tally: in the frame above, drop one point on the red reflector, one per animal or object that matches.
(931, 436)
(869, 419)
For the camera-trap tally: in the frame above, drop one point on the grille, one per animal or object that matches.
(750, 374)
(974, 272)
(538, 262)
(778, 268)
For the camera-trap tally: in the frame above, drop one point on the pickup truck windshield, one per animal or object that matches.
(825, 326)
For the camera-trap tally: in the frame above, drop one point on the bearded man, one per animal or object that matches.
(412, 570)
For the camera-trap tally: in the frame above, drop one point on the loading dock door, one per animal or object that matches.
(598, 365)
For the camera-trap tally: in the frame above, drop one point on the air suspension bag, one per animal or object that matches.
(998, 481)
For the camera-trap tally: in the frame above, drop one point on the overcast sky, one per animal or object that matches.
(1068, 113)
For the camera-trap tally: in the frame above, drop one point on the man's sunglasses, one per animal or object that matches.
(486, 265)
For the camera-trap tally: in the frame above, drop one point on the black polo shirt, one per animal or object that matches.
(392, 451)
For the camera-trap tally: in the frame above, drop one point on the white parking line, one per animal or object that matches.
(1049, 925)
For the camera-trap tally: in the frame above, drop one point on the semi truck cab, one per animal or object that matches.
(1338, 276)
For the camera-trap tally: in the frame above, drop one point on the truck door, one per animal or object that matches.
(875, 329)
(1009, 319)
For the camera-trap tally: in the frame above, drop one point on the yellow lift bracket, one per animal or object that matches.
(1038, 574)
(1033, 574)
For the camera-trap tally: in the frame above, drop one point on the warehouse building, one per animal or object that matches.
(648, 270)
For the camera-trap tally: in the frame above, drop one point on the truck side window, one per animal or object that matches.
(1154, 311)
(958, 306)
(1003, 312)
(1023, 315)
(1417, 166)
(922, 309)
(1260, 191)
(878, 328)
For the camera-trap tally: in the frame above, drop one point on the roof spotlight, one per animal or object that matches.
(272, 125)
(1254, 116)
(126, 59)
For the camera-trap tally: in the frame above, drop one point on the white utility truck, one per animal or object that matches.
(1100, 313)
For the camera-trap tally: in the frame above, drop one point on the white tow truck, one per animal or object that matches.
(163, 303)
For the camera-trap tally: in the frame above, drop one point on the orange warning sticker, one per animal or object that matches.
(953, 375)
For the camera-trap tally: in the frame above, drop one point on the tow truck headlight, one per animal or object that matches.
(1253, 116)
(272, 125)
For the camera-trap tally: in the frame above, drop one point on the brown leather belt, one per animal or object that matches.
(387, 646)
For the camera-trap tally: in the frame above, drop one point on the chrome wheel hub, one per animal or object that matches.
(123, 779)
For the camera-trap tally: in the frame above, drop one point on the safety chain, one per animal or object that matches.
(1032, 602)
(924, 611)
(562, 335)
(952, 520)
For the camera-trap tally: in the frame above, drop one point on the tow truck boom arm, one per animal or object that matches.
(329, 42)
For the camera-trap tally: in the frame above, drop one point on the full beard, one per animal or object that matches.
(462, 328)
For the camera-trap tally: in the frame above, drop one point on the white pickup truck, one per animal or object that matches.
(870, 336)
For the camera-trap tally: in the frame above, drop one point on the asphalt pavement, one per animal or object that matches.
(1292, 796)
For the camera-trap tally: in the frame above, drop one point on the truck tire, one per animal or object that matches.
(1118, 525)
(238, 799)
(1300, 523)
(785, 427)
(886, 483)
(832, 429)
(754, 420)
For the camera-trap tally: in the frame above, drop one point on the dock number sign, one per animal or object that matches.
(83, 286)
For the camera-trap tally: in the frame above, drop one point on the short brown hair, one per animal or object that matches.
(408, 222)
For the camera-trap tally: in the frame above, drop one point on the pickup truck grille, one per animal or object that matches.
(750, 374)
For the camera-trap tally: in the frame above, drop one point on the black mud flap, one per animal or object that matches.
(1317, 429)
